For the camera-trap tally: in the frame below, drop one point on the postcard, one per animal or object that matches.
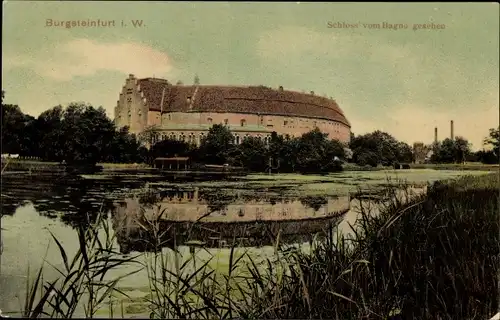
(279, 160)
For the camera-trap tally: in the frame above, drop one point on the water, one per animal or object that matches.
(297, 206)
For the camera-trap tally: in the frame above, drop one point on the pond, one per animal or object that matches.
(252, 210)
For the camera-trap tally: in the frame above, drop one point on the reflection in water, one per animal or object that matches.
(75, 201)
(254, 218)
(214, 219)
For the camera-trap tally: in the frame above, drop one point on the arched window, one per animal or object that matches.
(209, 120)
(237, 139)
(226, 121)
(183, 137)
(243, 122)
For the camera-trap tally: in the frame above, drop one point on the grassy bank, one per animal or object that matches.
(458, 166)
(431, 257)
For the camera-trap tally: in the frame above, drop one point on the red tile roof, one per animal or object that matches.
(233, 99)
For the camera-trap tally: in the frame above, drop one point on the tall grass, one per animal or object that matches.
(434, 256)
(82, 278)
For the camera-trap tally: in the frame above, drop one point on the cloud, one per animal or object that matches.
(84, 57)
(402, 88)
(296, 41)
(411, 123)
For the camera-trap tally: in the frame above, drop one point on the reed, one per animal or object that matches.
(434, 256)
(82, 278)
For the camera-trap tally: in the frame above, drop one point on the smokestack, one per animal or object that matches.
(435, 135)
(451, 129)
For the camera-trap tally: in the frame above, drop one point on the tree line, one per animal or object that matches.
(82, 134)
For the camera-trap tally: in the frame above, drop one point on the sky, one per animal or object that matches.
(404, 81)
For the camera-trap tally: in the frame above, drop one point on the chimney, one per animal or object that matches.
(451, 129)
(435, 135)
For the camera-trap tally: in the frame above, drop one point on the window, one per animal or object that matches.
(226, 121)
(261, 120)
(243, 122)
(129, 91)
(285, 123)
(188, 99)
(183, 137)
(169, 117)
(209, 120)
(237, 139)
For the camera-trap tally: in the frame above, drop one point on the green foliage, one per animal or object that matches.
(494, 140)
(316, 153)
(171, 148)
(217, 146)
(379, 148)
(451, 151)
(487, 157)
(125, 148)
(15, 126)
(252, 154)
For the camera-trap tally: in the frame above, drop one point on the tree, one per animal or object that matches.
(316, 153)
(170, 148)
(217, 146)
(150, 135)
(124, 148)
(493, 140)
(49, 127)
(252, 154)
(13, 128)
(89, 134)
(462, 149)
(379, 148)
(451, 151)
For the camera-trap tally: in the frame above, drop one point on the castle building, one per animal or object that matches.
(186, 112)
